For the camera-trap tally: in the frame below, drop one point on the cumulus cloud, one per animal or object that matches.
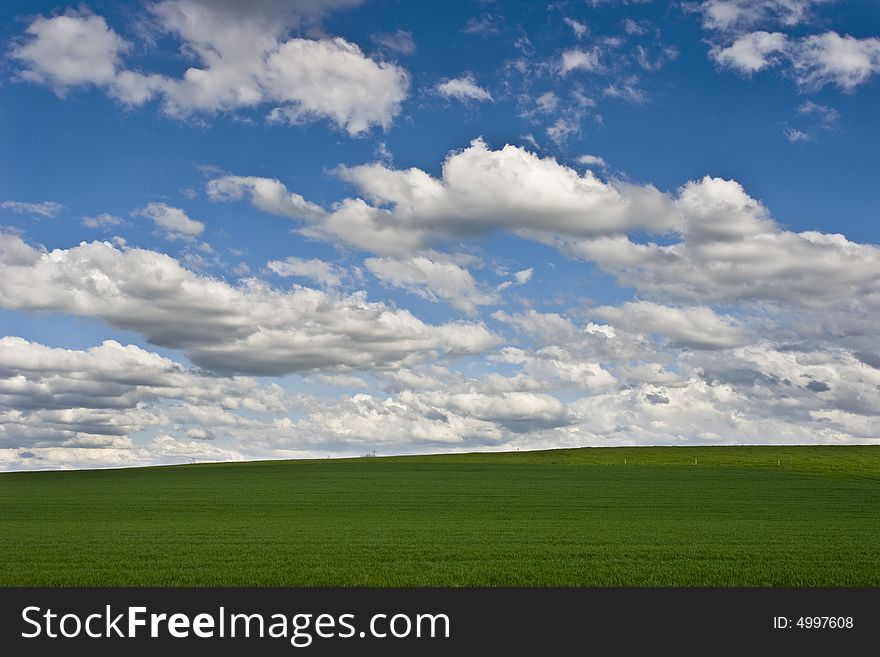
(480, 190)
(829, 58)
(464, 88)
(49, 209)
(730, 15)
(69, 50)
(433, 276)
(245, 61)
(322, 272)
(696, 327)
(592, 161)
(751, 52)
(519, 278)
(578, 59)
(732, 251)
(267, 194)
(816, 61)
(96, 398)
(174, 222)
(252, 328)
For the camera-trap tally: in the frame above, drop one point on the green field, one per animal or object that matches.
(739, 516)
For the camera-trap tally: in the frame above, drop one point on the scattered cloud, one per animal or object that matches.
(400, 41)
(174, 222)
(828, 116)
(592, 161)
(845, 61)
(627, 90)
(464, 89)
(252, 328)
(267, 194)
(794, 135)
(816, 61)
(246, 60)
(324, 273)
(733, 15)
(433, 276)
(634, 27)
(481, 190)
(485, 25)
(580, 29)
(578, 59)
(69, 50)
(103, 221)
(48, 209)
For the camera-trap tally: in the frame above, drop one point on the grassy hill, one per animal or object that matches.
(702, 516)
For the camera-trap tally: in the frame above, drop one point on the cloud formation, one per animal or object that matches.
(252, 328)
(480, 190)
(48, 209)
(433, 276)
(174, 222)
(463, 89)
(245, 61)
(816, 61)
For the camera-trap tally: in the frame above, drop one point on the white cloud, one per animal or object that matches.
(631, 26)
(480, 190)
(794, 135)
(519, 278)
(580, 29)
(246, 61)
(400, 41)
(816, 60)
(267, 194)
(524, 276)
(696, 327)
(463, 89)
(730, 15)
(830, 58)
(433, 276)
(317, 270)
(592, 161)
(547, 102)
(546, 327)
(732, 251)
(251, 328)
(53, 397)
(49, 209)
(103, 220)
(339, 380)
(333, 79)
(577, 59)
(563, 128)
(485, 25)
(173, 221)
(827, 115)
(644, 59)
(554, 367)
(510, 188)
(69, 50)
(626, 89)
(751, 52)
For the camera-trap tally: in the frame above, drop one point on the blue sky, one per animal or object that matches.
(332, 226)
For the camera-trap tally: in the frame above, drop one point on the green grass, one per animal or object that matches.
(742, 516)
